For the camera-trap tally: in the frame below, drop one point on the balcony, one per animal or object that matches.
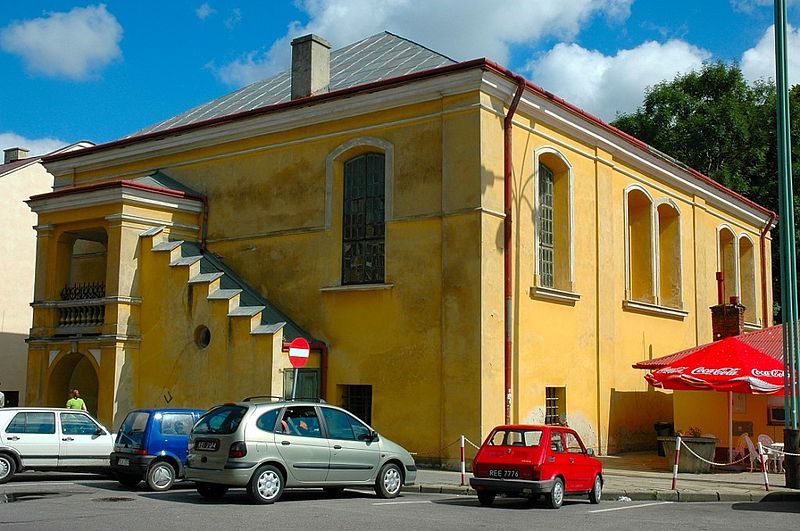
(81, 310)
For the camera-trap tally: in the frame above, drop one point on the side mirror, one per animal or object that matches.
(369, 437)
(589, 452)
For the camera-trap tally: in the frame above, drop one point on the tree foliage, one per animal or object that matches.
(719, 124)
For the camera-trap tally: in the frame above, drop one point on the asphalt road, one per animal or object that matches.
(82, 502)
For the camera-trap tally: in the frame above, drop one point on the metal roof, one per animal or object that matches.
(382, 56)
(767, 340)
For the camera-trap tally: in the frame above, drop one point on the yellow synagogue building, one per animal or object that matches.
(359, 201)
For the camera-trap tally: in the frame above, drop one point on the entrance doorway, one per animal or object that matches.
(73, 371)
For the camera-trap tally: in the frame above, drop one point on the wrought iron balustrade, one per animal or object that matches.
(83, 305)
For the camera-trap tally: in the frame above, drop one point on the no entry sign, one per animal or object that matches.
(299, 350)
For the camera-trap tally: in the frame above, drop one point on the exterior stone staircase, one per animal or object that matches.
(204, 268)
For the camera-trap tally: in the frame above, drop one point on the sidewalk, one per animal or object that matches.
(644, 476)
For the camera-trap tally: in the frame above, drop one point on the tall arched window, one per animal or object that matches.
(727, 262)
(669, 256)
(747, 278)
(363, 234)
(640, 246)
(553, 221)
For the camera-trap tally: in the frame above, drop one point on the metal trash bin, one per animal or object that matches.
(663, 429)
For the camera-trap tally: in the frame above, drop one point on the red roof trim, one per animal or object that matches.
(388, 83)
(115, 184)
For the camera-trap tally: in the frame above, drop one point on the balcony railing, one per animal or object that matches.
(82, 307)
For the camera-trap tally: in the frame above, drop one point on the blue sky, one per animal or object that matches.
(99, 71)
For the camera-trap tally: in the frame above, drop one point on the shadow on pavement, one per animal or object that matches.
(772, 503)
(514, 504)
(239, 496)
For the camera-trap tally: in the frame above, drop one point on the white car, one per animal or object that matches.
(33, 438)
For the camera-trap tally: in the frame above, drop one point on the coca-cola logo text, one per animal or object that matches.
(772, 373)
(722, 371)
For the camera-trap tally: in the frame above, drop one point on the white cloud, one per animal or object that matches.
(747, 6)
(74, 45)
(759, 62)
(37, 146)
(233, 20)
(204, 11)
(482, 28)
(605, 85)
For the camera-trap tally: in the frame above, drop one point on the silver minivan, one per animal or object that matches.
(267, 446)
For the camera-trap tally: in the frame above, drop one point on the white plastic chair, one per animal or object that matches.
(774, 459)
(746, 441)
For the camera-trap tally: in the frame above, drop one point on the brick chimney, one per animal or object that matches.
(14, 154)
(311, 66)
(727, 319)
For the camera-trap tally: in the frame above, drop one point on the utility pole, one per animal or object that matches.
(791, 348)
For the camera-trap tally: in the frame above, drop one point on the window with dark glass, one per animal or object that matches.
(546, 247)
(357, 399)
(363, 224)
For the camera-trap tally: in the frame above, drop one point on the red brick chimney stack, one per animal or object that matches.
(727, 319)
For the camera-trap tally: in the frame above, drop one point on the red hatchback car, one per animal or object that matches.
(528, 461)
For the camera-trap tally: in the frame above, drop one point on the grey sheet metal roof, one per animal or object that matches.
(162, 180)
(382, 56)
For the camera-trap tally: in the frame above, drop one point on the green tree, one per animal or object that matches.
(719, 124)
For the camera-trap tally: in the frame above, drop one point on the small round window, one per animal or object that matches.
(202, 336)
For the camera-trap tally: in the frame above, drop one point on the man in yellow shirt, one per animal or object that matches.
(76, 402)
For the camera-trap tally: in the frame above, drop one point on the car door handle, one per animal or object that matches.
(337, 446)
(571, 460)
(551, 459)
(285, 443)
(15, 438)
(67, 439)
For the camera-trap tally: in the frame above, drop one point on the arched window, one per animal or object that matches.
(728, 262)
(747, 278)
(363, 234)
(553, 221)
(640, 246)
(669, 256)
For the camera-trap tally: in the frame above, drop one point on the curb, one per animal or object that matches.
(636, 495)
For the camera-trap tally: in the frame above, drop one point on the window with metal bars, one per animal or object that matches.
(555, 405)
(363, 231)
(546, 247)
(357, 399)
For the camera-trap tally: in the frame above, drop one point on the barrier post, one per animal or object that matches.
(763, 465)
(463, 464)
(677, 461)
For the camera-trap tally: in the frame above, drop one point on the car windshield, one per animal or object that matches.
(221, 420)
(516, 437)
(131, 433)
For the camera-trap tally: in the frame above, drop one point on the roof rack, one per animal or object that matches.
(273, 398)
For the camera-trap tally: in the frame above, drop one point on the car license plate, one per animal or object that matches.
(494, 473)
(207, 446)
(123, 461)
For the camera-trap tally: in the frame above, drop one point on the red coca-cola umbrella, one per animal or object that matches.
(725, 365)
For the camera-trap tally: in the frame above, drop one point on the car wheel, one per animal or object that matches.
(7, 468)
(556, 496)
(128, 480)
(597, 490)
(486, 498)
(266, 485)
(389, 481)
(211, 491)
(333, 492)
(160, 476)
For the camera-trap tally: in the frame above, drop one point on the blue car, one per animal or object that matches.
(151, 445)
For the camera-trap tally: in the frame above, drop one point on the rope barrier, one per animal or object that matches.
(712, 462)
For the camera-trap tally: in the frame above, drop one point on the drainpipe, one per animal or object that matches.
(322, 347)
(762, 238)
(508, 199)
(204, 230)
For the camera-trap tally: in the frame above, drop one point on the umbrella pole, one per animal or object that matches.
(730, 426)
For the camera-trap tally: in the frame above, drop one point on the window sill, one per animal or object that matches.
(357, 287)
(554, 295)
(752, 326)
(653, 309)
